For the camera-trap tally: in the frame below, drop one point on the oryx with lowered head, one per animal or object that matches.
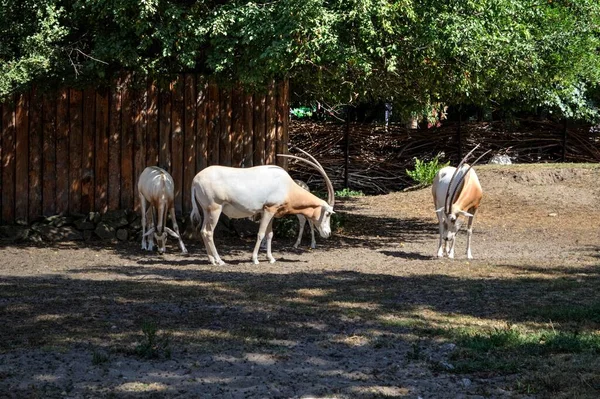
(456, 192)
(267, 190)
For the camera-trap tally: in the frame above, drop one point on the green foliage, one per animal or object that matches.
(286, 227)
(348, 193)
(302, 112)
(495, 53)
(425, 171)
(153, 345)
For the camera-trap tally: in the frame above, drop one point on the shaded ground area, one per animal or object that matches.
(369, 313)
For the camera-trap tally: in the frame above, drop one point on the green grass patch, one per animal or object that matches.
(348, 193)
(566, 313)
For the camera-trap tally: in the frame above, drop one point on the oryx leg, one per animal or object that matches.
(451, 252)
(269, 237)
(143, 210)
(152, 211)
(301, 222)
(209, 222)
(441, 245)
(160, 228)
(313, 243)
(470, 233)
(265, 222)
(176, 228)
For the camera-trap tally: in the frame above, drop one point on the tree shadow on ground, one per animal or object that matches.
(303, 324)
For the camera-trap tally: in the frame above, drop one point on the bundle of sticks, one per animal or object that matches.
(379, 156)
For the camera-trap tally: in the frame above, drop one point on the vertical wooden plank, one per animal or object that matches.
(75, 147)
(35, 155)
(114, 147)
(1, 159)
(127, 135)
(22, 157)
(164, 128)
(152, 142)
(213, 124)
(282, 122)
(88, 150)
(177, 113)
(201, 123)
(49, 171)
(101, 151)
(189, 148)
(141, 123)
(1, 152)
(225, 127)
(237, 138)
(248, 130)
(271, 125)
(8, 160)
(62, 152)
(259, 129)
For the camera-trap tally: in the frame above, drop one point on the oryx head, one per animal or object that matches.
(161, 237)
(451, 222)
(321, 217)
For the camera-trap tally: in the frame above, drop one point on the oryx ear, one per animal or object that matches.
(439, 210)
(149, 232)
(171, 232)
(466, 214)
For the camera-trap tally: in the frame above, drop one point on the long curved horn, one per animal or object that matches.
(310, 157)
(318, 167)
(447, 204)
(464, 176)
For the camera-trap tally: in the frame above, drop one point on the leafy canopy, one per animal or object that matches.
(523, 53)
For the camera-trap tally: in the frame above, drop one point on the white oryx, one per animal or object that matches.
(243, 192)
(157, 193)
(302, 221)
(456, 192)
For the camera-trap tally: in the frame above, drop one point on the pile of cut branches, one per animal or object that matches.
(379, 157)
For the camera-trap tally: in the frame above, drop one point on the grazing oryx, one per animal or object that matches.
(456, 192)
(244, 192)
(302, 221)
(156, 189)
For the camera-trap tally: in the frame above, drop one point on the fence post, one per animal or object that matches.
(564, 140)
(347, 148)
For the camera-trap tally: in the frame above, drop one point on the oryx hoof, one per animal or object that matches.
(271, 260)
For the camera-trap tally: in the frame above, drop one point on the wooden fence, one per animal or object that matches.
(78, 151)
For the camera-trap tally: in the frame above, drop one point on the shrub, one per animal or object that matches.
(424, 172)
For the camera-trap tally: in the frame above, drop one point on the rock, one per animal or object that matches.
(466, 382)
(115, 215)
(122, 234)
(500, 160)
(87, 235)
(14, 233)
(104, 231)
(64, 233)
(115, 223)
(135, 224)
(94, 217)
(553, 214)
(83, 224)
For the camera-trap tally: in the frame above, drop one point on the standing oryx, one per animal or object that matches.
(456, 192)
(244, 192)
(157, 193)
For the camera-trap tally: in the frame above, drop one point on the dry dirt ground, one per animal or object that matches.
(369, 313)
